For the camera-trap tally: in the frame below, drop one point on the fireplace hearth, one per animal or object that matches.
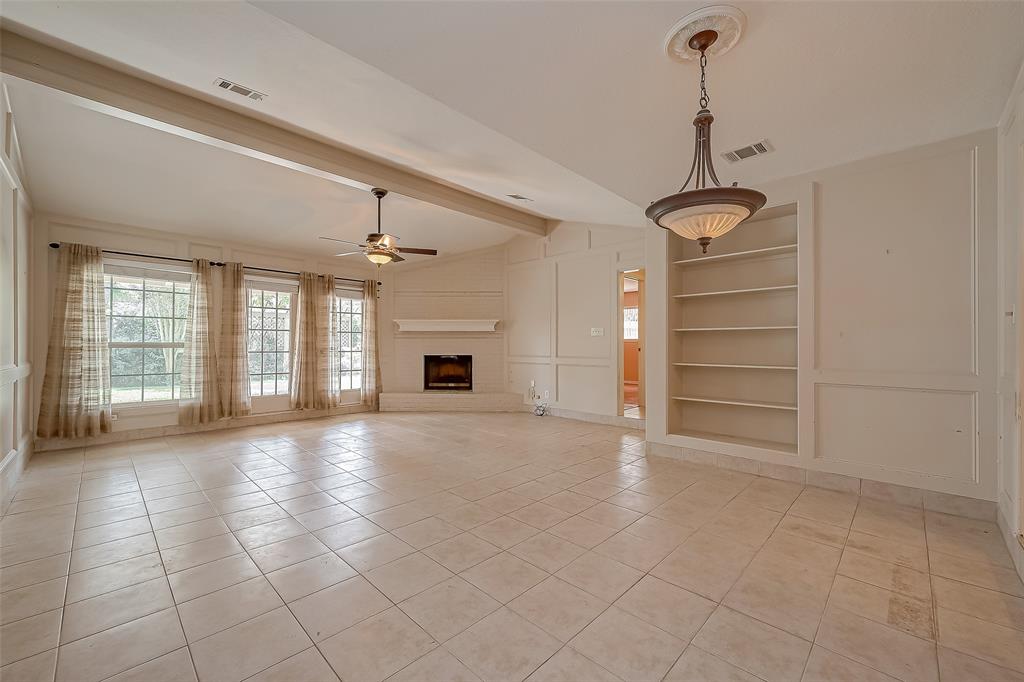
(447, 372)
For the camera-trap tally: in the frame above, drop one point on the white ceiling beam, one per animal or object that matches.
(129, 97)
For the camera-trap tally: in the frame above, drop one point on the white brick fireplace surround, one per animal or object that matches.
(451, 306)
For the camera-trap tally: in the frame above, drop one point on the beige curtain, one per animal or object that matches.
(314, 344)
(199, 401)
(370, 391)
(76, 387)
(233, 360)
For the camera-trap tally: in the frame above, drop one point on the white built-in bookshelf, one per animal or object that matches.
(733, 334)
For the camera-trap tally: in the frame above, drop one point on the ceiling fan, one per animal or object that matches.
(380, 247)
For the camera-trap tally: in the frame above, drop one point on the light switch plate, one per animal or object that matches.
(597, 331)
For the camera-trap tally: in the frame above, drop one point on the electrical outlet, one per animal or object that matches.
(546, 395)
(597, 331)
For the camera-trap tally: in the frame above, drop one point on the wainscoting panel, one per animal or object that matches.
(932, 433)
(897, 288)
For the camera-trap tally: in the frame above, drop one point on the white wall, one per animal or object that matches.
(898, 320)
(49, 228)
(16, 368)
(1011, 338)
(464, 286)
(560, 288)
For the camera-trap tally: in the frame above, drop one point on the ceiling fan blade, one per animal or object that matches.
(425, 252)
(343, 241)
(396, 258)
(350, 253)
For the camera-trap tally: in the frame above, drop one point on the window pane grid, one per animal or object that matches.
(269, 342)
(349, 345)
(146, 320)
(631, 323)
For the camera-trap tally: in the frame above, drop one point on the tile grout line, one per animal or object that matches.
(828, 599)
(931, 587)
(444, 490)
(164, 571)
(64, 605)
(167, 580)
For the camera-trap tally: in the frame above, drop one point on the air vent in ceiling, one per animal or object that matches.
(248, 93)
(518, 197)
(756, 149)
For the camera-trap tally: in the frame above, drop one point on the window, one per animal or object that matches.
(270, 323)
(350, 341)
(146, 327)
(631, 323)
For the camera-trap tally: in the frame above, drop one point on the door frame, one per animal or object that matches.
(620, 344)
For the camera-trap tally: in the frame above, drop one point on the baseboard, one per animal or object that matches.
(13, 464)
(438, 401)
(1014, 541)
(45, 445)
(958, 505)
(606, 419)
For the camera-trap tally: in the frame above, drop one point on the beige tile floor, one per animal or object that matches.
(463, 547)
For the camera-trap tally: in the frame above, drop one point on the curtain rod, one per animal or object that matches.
(291, 272)
(56, 245)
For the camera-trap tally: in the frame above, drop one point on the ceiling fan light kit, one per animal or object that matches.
(381, 248)
(707, 210)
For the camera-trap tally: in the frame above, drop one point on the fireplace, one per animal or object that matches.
(447, 372)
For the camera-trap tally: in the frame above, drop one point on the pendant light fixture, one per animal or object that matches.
(707, 210)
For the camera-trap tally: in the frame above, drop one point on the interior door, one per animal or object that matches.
(641, 400)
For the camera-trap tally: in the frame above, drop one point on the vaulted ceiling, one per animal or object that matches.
(83, 163)
(571, 104)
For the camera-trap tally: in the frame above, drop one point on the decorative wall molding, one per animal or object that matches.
(12, 373)
(927, 354)
(16, 335)
(927, 431)
(559, 289)
(447, 326)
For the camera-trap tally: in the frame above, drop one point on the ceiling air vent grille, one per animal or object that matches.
(248, 93)
(756, 149)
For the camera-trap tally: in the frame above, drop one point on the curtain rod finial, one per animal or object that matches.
(54, 245)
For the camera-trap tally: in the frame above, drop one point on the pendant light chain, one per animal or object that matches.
(704, 99)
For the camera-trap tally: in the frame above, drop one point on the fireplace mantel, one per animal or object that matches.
(450, 326)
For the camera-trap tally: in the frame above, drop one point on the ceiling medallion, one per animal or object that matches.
(707, 210)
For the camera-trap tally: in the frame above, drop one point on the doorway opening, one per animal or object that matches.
(631, 341)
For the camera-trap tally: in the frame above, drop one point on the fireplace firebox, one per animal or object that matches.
(447, 372)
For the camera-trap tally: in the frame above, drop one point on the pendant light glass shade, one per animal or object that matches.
(711, 220)
(704, 212)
